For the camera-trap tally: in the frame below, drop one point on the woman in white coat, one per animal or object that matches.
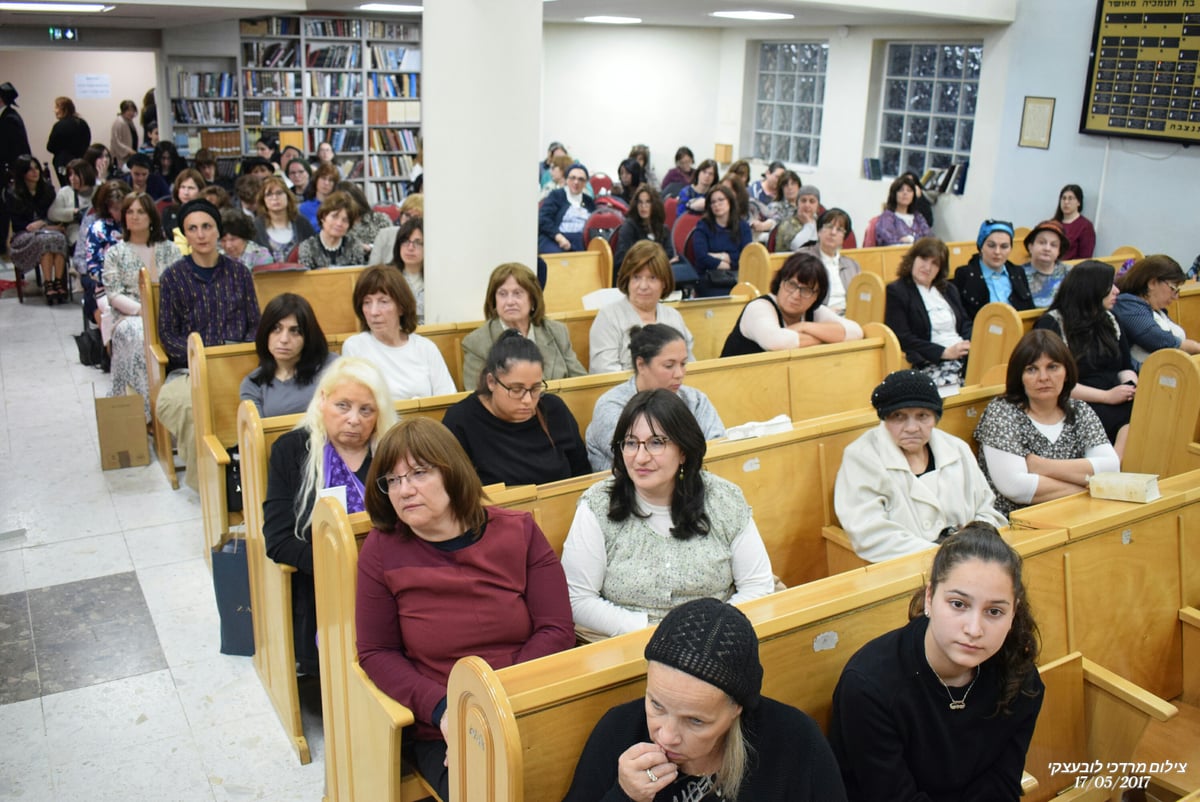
(905, 485)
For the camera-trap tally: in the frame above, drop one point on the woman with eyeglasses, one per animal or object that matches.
(564, 213)
(408, 256)
(793, 315)
(832, 227)
(330, 449)
(513, 431)
(299, 173)
(989, 277)
(925, 312)
(279, 226)
(1147, 289)
(661, 530)
(441, 576)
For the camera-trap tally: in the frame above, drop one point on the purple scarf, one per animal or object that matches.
(337, 474)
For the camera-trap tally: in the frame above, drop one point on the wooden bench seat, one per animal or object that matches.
(572, 275)
(1165, 425)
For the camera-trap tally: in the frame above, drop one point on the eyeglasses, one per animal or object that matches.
(393, 481)
(793, 286)
(576, 178)
(1175, 288)
(835, 229)
(517, 392)
(416, 243)
(653, 445)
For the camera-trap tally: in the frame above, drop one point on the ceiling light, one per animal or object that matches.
(602, 20)
(67, 8)
(394, 8)
(756, 16)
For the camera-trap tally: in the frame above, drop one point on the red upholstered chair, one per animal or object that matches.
(869, 233)
(671, 205)
(771, 239)
(393, 212)
(601, 184)
(612, 202)
(162, 205)
(683, 227)
(850, 241)
(689, 249)
(294, 256)
(601, 222)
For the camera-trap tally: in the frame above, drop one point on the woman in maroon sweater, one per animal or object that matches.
(441, 577)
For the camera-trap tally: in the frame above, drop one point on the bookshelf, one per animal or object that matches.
(353, 81)
(205, 105)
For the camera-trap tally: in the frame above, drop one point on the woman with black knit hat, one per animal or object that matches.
(703, 731)
(943, 709)
(904, 485)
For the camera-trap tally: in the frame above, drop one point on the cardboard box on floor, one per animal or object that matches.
(121, 423)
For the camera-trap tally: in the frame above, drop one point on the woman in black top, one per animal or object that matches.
(36, 241)
(510, 428)
(646, 220)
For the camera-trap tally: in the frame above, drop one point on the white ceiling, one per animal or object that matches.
(148, 15)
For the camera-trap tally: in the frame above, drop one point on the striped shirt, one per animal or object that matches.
(224, 310)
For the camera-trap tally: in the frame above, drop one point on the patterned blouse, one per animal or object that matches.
(313, 253)
(122, 265)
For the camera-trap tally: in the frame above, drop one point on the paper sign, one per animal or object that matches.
(93, 84)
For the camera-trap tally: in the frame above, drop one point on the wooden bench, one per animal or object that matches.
(572, 275)
(1185, 310)
(1165, 425)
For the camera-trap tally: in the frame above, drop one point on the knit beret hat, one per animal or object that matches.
(578, 166)
(809, 189)
(1050, 225)
(904, 389)
(990, 227)
(201, 205)
(714, 642)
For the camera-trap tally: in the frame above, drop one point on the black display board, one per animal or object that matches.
(1144, 73)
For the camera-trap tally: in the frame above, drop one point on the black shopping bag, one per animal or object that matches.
(231, 582)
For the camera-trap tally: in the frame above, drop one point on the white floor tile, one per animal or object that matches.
(124, 713)
(178, 585)
(248, 760)
(220, 690)
(189, 634)
(166, 543)
(72, 560)
(166, 769)
(12, 570)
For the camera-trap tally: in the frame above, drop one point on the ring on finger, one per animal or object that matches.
(651, 775)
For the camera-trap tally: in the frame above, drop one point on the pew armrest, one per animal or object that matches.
(1029, 783)
(385, 711)
(159, 354)
(1133, 695)
(1190, 617)
(215, 451)
(839, 551)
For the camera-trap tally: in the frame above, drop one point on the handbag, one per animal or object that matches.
(91, 347)
(722, 278)
(233, 481)
(231, 584)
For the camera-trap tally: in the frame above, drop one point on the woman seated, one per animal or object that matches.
(514, 302)
(168, 164)
(661, 530)
(387, 312)
(793, 315)
(904, 485)
(1036, 443)
(681, 174)
(300, 174)
(1045, 271)
(900, 224)
(237, 241)
(924, 311)
(646, 221)
(408, 254)
(989, 277)
(832, 227)
(797, 213)
(1147, 289)
(329, 450)
(413, 207)
(641, 153)
(645, 279)
(333, 246)
(279, 227)
(1078, 228)
(944, 708)
(103, 232)
(143, 244)
(630, 176)
(101, 160)
(292, 352)
(324, 183)
(718, 240)
(187, 186)
(703, 730)
(557, 176)
(1082, 315)
(659, 363)
(367, 222)
(564, 214)
(513, 431)
(441, 576)
(73, 200)
(36, 241)
(692, 197)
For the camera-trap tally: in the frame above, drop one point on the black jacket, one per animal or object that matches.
(973, 290)
(905, 315)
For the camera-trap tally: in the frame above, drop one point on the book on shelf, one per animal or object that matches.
(271, 26)
(331, 28)
(393, 112)
(269, 84)
(205, 112)
(346, 57)
(221, 143)
(205, 84)
(294, 139)
(873, 169)
(393, 31)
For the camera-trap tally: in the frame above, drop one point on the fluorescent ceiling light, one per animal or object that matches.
(67, 8)
(394, 8)
(757, 16)
(602, 20)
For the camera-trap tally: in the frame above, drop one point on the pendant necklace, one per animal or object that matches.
(955, 704)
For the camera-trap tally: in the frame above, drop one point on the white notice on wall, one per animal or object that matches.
(88, 84)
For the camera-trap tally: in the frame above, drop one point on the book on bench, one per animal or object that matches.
(1121, 486)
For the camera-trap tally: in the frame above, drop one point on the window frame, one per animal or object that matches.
(803, 147)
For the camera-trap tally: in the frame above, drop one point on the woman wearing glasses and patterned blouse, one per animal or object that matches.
(510, 428)
(793, 315)
(660, 531)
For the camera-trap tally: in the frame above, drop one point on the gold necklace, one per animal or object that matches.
(955, 704)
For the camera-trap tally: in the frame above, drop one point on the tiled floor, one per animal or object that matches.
(111, 682)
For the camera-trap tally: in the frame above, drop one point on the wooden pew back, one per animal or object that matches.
(572, 275)
(330, 292)
(156, 374)
(1164, 430)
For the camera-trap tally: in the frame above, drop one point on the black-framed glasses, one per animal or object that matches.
(653, 445)
(793, 286)
(416, 477)
(516, 392)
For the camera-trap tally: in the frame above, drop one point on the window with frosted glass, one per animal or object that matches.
(928, 105)
(789, 94)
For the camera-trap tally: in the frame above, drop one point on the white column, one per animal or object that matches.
(480, 106)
